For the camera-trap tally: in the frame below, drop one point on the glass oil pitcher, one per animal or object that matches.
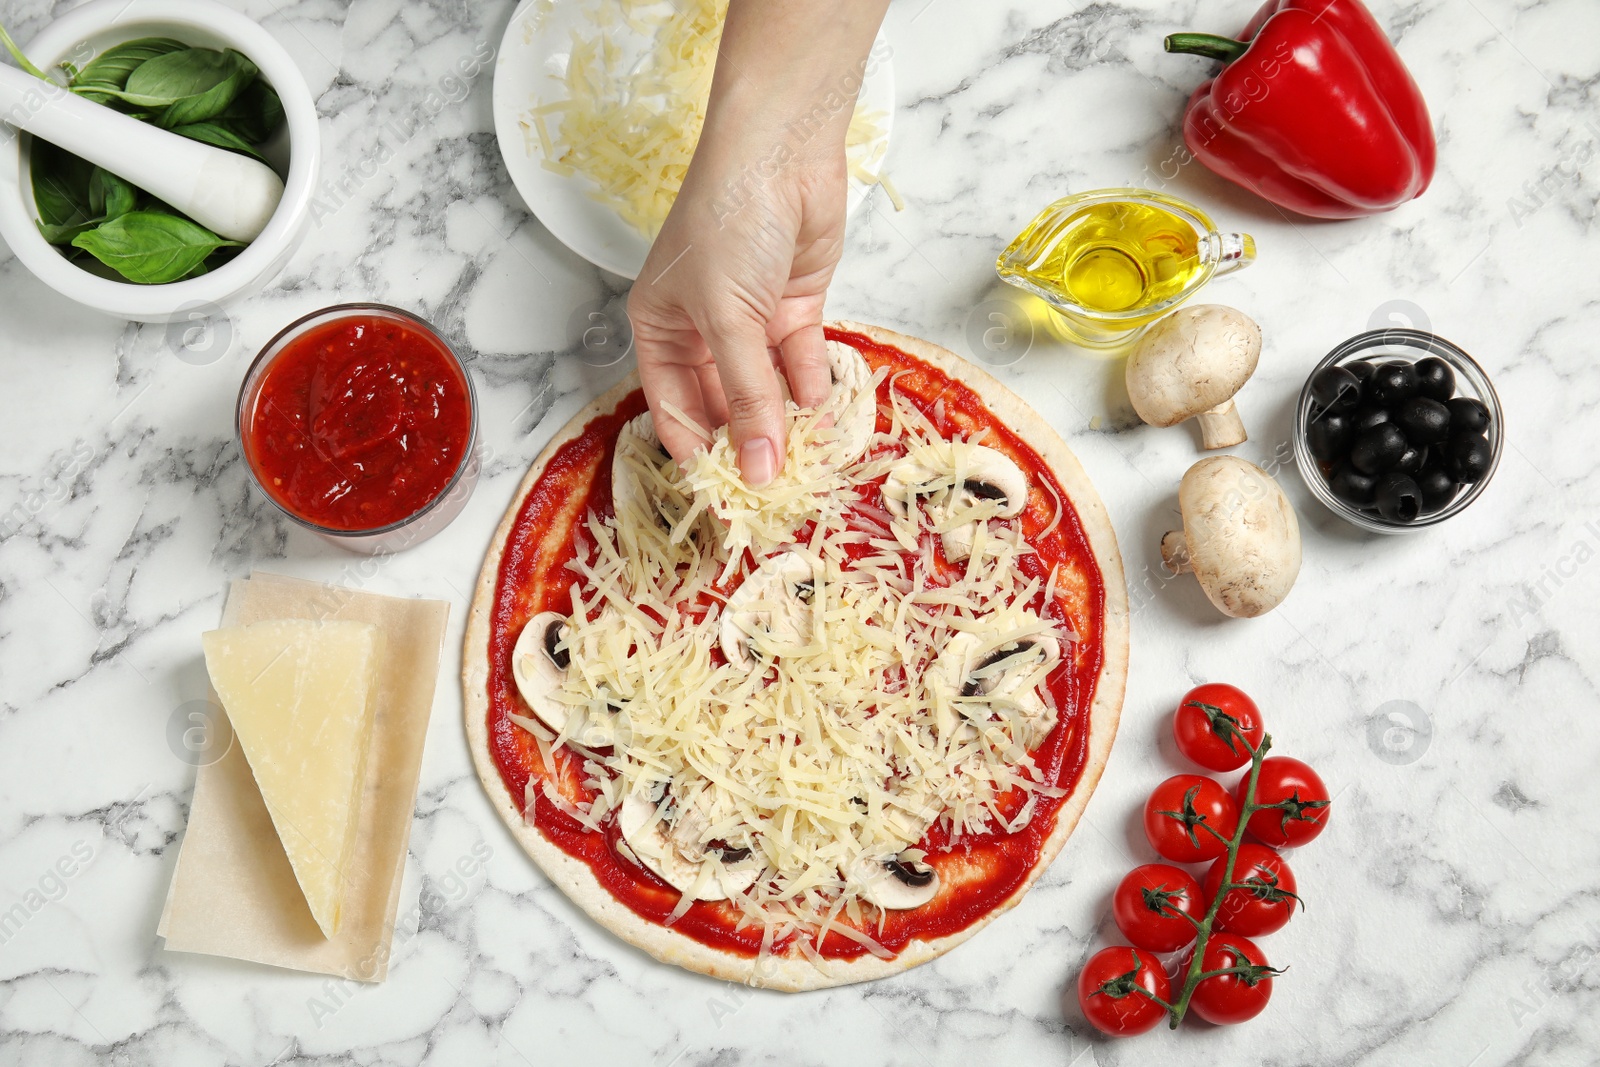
(1112, 261)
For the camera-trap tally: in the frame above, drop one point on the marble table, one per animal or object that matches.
(1444, 683)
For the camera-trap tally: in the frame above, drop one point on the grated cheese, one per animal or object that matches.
(837, 745)
(633, 104)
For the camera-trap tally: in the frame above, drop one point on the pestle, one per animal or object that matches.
(230, 194)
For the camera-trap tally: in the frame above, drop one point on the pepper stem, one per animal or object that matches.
(1209, 45)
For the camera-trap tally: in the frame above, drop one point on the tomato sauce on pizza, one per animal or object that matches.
(978, 872)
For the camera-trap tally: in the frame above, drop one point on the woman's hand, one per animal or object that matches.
(726, 295)
(734, 286)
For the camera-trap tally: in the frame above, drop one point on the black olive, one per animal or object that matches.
(1366, 418)
(1438, 488)
(1329, 436)
(1398, 497)
(1435, 379)
(1369, 397)
(1379, 449)
(1425, 421)
(915, 875)
(1468, 414)
(1361, 368)
(732, 855)
(1335, 389)
(1352, 486)
(1467, 456)
(1412, 459)
(1392, 382)
(553, 636)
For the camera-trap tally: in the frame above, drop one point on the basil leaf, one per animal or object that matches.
(111, 68)
(212, 134)
(255, 114)
(60, 185)
(212, 102)
(111, 196)
(144, 107)
(63, 235)
(192, 85)
(149, 248)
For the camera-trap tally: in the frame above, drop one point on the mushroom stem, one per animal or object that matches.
(1175, 552)
(1221, 427)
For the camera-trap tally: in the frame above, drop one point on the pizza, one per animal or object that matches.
(814, 733)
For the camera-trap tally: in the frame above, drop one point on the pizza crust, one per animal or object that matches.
(578, 881)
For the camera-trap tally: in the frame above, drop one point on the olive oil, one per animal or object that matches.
(1109, 262)
(1114, 257)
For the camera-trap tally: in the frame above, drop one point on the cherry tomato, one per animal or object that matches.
(1303, 796)
(1150, 904)
(1266, 906)
(1225, 999)
(1210, 722)
(1178, 813)
(1106, 991)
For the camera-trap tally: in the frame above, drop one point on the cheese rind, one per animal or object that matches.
(300, 697)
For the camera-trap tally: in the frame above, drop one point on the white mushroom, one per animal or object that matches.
(539, 667)
(1240, 536)
(892, 877)
(911, 477)
(539, 663)
(774, 606)
(853, 403)
(1190, 365)
(914, 805)
(986, 476)
(974, 678)
(666, 837)
(990, 476)
(895, 882)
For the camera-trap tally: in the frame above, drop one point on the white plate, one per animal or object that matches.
(533, 58)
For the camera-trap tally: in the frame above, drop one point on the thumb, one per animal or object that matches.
(756, 423)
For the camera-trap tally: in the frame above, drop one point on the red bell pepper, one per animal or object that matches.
(1314, 111)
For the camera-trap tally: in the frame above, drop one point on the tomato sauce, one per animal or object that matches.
(359, 422)
(978, 873)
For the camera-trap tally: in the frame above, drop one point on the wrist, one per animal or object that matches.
(788, 75)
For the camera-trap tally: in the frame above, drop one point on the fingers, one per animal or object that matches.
(679, 387)
(805, 359)
(699, 378)
(755, 400)
(673, 365)
(716, 404)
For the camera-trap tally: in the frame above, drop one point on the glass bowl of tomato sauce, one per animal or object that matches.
(360, 424)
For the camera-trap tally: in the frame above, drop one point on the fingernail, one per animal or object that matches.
(757, 462)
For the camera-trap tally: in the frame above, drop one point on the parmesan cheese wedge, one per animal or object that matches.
(299, 695)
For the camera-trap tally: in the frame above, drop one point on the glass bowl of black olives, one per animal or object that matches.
(1397, 430)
